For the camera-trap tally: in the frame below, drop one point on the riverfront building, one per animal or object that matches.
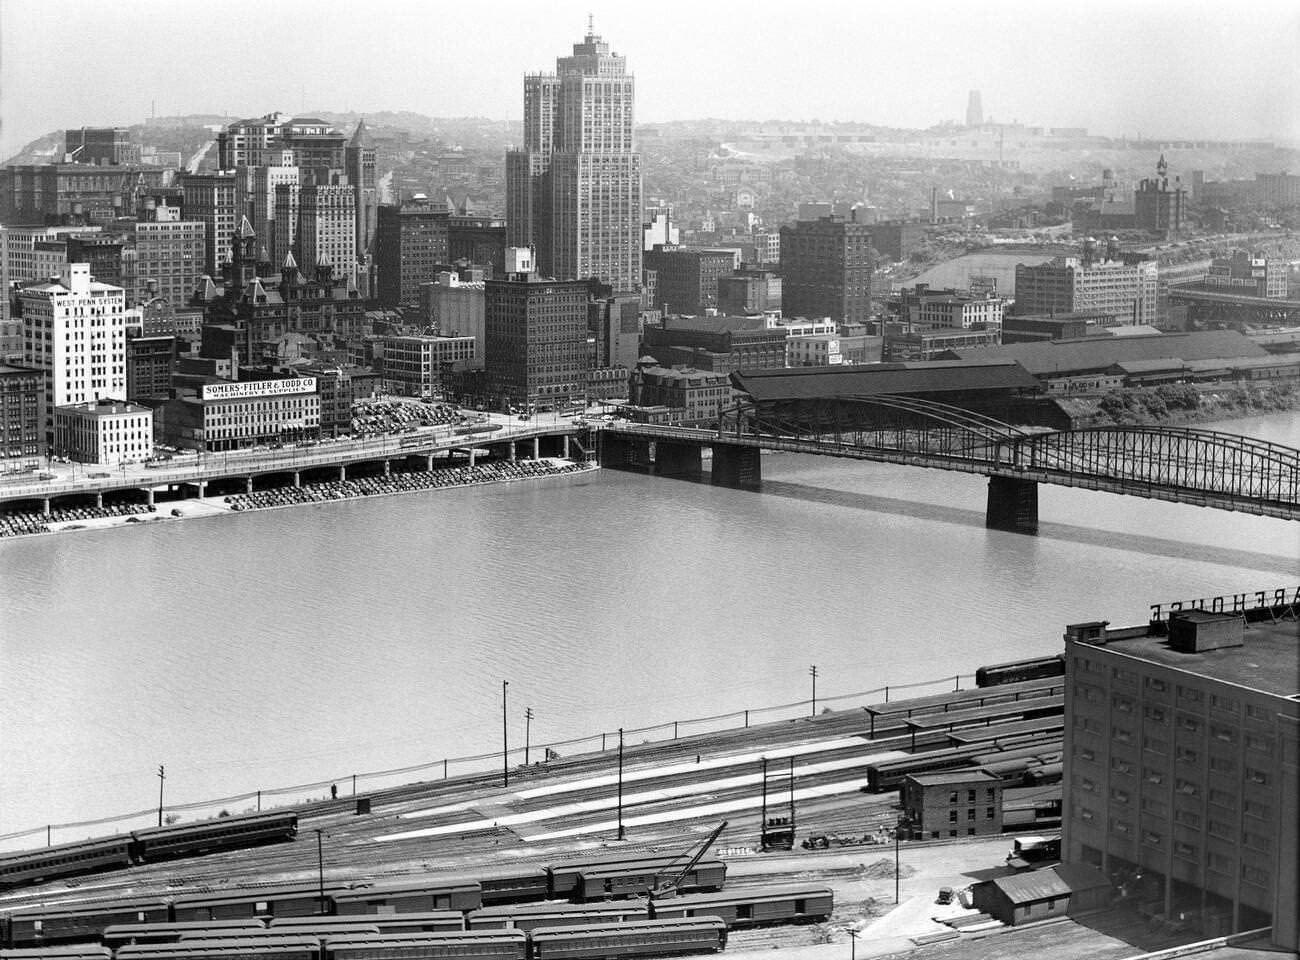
(691, 396)
(717, 344)
(573, 190)
(22, 417)
(103, 432)
(1182, 741)
(410, 246)
(74, 329)
(225, 415)
(421, 366)
(1073, 284)
(536, 333)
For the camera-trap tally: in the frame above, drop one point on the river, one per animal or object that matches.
(264, 649)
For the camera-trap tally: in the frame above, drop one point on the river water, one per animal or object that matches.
(282, 647)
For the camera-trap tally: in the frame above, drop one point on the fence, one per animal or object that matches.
(458, 766)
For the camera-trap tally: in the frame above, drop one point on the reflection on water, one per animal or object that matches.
(290, 646)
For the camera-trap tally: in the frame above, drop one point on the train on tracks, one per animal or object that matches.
(145, 846)
(1034, 668)
(256, 916)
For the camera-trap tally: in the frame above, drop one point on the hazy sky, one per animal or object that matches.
(1189, 68)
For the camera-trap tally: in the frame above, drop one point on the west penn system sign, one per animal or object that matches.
(258, 388)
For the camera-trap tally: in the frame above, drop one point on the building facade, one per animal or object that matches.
(74, 330)
(410, 246)
(958, 804)
(1074, 284)
(686, 281)
(22, 418)
(826, 269)
(163, 259)
(233, 415)
(103, 432)
(536, 333)
(691, 396)
(1181, 743)
(212, 199)
(420, 366)
(327, 229)
(573, 190)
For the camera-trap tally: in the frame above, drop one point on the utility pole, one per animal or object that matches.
(505, 738)
(620, 783)
(813, 673)
(161, 777)
(320, 870)
(528, 722)
(853, 944)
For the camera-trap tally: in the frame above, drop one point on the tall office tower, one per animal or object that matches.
(260, 207)
(74, 329)
(327, 229)
(536, 335)
(288, 199)
(573, 191)
(99, 145)
(974, 110)
(211, 199)
(826, 269)
(360, 156)
(163, 259)
(410, 244)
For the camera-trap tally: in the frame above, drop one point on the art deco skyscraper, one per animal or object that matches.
(574, 189)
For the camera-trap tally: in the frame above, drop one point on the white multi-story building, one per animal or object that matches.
(1073, 284)
(74, 329)
(264, 181)
(103, 432)
(327, 229)
(456, 308)
(813, 350)
(574, 189)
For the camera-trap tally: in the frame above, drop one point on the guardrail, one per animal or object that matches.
(377, 780)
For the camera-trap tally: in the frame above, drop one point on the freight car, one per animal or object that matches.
(1017, 670)
(533, 915)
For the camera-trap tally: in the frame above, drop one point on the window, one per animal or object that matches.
(988, 813)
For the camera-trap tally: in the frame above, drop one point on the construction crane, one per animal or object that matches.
(668, 888)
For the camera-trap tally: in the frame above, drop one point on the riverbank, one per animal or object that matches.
(33, 523)
(1183, 404)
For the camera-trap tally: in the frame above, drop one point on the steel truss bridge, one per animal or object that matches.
(1200, 467)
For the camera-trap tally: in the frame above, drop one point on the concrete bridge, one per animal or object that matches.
(1199, 467)
(185, 476)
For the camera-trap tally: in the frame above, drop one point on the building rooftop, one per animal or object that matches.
(104, 408)
(1268, 661)
(873, 379)
(1098, 353)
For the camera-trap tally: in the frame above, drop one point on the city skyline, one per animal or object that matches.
(1160, 70)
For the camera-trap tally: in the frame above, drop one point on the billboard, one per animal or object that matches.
(258, 388)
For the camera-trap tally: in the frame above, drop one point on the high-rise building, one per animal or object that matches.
(99, 145)
(74, 329)
(360, 157)
(536, 333)
(327, 231)
(1180, 761)
(163, 259)
(974, 110)
(262, 212)
(687, 280)
(573, 191)
(22, 416)
(478, 240)
(212, 200)
(316, 146)
(826, 269)
(1074, 284)
(410, 246)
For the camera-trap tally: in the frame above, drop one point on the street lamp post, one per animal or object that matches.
(898, 829)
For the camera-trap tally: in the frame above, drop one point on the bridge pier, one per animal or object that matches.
(736, 466)
(473, 455)
(203, 488)
(537, 448)
(148, 496)
(248, 484)
(428, 463)
(99, 499)
(513, 451)
(297, 479)
(620, 452)
(343, 472)
(678, 459)
(388, 468)
(1012, 505)
(45, 507)
(566, 446)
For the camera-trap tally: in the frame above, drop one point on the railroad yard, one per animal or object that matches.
(673, 796)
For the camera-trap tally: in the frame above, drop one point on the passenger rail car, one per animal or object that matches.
(83, 922)
(479, 945)
(121, 934)
(638, 938)
(751, 908)
(160, 843)
(244, 948)
(316, 930)
(1017, 670)
(637, 880)
(436, 921)
(288, 901)
(73, 951)
(534, 915)
(419, 895)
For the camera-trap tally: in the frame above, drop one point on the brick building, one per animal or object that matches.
(962, 803)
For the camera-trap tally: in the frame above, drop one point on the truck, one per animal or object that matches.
(1029, 852)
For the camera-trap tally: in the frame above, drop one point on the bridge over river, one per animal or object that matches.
(1199, 467)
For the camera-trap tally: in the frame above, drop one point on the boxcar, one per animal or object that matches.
(238, 904)
(246, 948)
(120, 934)
(751, 908)
(82, 921)
(638, 938)
(224, 833)
(71, 951)
(64, 860)
(637, 880)
(480, 944)
(419, 895)
(534, 915)
(566, 878)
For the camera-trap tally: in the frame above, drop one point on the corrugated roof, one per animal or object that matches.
(874, 379)
(1032, 886)
(1064, 357)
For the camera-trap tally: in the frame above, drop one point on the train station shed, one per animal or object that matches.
(1065, 889)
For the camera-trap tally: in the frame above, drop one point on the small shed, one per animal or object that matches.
(1042, 894)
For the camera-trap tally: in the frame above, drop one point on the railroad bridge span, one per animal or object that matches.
(1200, 467)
